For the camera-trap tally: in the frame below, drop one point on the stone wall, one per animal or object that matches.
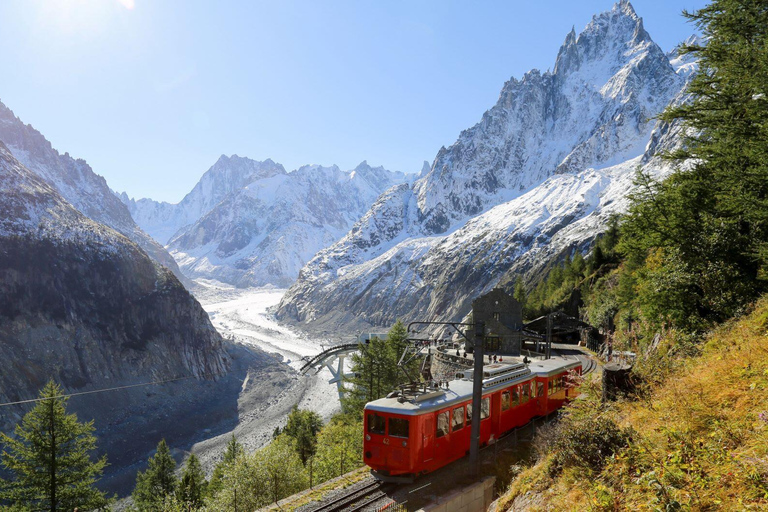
(446, 364)
(476, 497)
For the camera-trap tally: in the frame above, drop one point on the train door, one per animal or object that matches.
(428, 438)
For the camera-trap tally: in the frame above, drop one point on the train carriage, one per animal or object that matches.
(417, 431)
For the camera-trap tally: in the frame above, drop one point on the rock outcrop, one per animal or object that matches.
(538, 176)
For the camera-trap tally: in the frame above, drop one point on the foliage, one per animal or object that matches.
(233, 451)
(283, 470)
(157, 485)
(340, 448)
(375, 370)
(571, 275)
(703, 232)
(192, 486)
(49, 459)
(698, 438)
(252, 481)
(303, 426)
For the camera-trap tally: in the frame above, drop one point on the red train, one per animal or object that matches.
(410, 433)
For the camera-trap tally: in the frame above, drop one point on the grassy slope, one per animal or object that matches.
(700, 439)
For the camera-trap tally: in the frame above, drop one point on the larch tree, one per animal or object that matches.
(702, 234)
(157, 485)
(49, 459)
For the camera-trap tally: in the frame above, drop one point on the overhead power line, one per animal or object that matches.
(93, 391)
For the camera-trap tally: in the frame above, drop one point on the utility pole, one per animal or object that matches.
(548, 348)
(477, 395)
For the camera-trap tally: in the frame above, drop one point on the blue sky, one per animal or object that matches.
(151, 92)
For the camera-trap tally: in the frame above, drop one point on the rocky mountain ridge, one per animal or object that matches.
(539, 175)
(84, 305)
(163, 220)
(76, 182)
(250, 223)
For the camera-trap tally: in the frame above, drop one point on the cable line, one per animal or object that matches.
(96, 391)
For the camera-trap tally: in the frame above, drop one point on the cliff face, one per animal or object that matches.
(76, 182)
(85, 306)
(539, 175)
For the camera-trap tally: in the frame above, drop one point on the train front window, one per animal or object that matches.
(485, 408)
(442, 424)
(540, 391)
(457, 422)
(376, 424)
(398, 427)
(505, 400)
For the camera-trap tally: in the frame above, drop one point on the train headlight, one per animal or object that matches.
(367, 437)
(405, 443)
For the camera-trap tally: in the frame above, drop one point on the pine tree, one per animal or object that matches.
(303, 426)
(49, 459)
(192, 486)
(376, 371)
(233, 451)
(158, 483)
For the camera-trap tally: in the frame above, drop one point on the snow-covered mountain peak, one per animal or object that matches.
(74, 179)
(609, 78)
(264, 233)
(228, 175)
(685, 64)
(539, 160)
(609, 37)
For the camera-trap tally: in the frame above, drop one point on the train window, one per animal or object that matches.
(533, 388)
(442, 424)
(506, 400)
(376, 424)
(398, 427)
(525, 392)
(485, 408)
(540, 389)
(515, 396)
(469, 414)
(457, 423)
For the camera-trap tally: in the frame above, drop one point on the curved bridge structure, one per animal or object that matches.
(333, 359)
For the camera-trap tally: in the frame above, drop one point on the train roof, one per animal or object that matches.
(496, 376)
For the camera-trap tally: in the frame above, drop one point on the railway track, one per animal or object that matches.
(358, 499)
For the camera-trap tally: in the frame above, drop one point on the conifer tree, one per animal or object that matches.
(703, 232)
(520, 294)
(375, 369)
(232, 453)
(49, 459)
(192, 486)
(158, 483)
(303, 426)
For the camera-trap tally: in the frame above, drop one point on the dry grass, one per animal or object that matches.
(701, 438)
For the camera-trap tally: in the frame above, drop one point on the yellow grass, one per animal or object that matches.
(700, 442)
